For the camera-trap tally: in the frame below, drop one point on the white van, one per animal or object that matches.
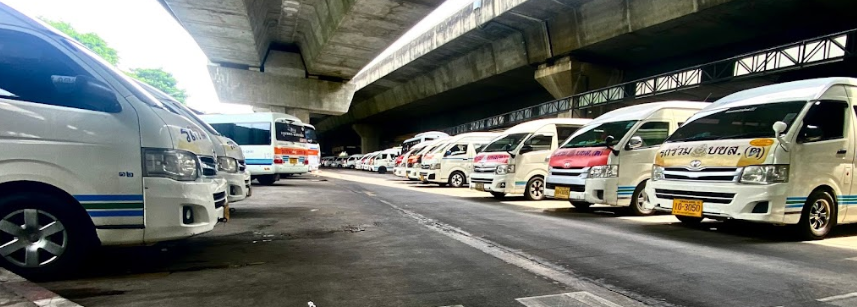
(368, 159)
(451, 163)
(781, 154)
(230, 159)
(587, 169)
(516, 161)
(415, 160)
(401, 169)
(88, 157)
(313, 149)
(421, 138)
(384, 160)
(352, 160)
(274, 144)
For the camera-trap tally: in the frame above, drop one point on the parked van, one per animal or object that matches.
(401, 169)
(88, 157)
(368, 159)
(609, 160)
(313, 151)
(274, 144)
(352, 160)
(230, 159)
(451, 163)
(515, 162)
(422, 137)
(384, 160)
(781, 154)
(415, 160)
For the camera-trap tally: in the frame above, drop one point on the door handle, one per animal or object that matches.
(841, 152)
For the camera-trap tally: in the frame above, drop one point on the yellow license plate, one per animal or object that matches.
(226, 212)
(480, 187)
(422, 178)
(293, 160)
(561, 192)
(687, 207)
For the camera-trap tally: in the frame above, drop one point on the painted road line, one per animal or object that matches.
(573, 299)
(844, 300)
(652, 219)
(841, 242)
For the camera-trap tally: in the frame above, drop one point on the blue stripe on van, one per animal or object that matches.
(259, 161)
(90, 198)
(115, 213)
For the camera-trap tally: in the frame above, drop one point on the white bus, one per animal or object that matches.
(313, 148)
(422, 137)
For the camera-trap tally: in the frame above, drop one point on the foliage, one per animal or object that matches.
(161, 80)
(90, 40)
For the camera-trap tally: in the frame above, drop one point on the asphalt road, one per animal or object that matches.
(351, 238)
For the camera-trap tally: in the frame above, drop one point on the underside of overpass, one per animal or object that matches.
(542, 50)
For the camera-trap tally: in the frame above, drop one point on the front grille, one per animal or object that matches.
(209, 166)
(242, 165)
(475, 180)
(425, 166)
(219, 199)
(573, 172)
(708, 197)
(713, 174)
(490, 169)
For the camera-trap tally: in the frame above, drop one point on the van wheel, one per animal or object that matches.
(535, 189)
(40, 237)
(498, 195)
(818, 216)
(689, 220)
(457, 180)
(382, 170)
(268, 179)
(581, 205)
(637, 200)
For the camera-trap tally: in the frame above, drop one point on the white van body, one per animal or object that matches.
(415, 159)
(88, 157)
(421, 138)
(502, 168)
(352, 160)
(586, 172)
(401, 170)
(313, 151)
(230, 159)
(385, 160)
(729, 162)
(451, 163)
(273, 143)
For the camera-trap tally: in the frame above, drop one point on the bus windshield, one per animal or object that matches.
(290, 132)
(593, 136)
(246, 133)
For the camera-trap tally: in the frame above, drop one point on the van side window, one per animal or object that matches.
(828, 116)
(457, 150)
(540, 142)
(32, 70)
(653, 133)
(564, 132)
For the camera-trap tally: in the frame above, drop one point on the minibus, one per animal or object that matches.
(516, 161)
(451, 163)
(313, 151)
(609, 161)
(401, 169)
(780, 154)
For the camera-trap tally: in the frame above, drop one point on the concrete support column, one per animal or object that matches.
(301, 114)
(370, 137)
(566, 77)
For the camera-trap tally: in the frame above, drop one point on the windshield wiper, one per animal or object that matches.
(694, 138)
(745, 135)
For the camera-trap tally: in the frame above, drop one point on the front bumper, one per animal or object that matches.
(757, 203)
(427, 175)
(412, 173)
(400, 172)
(238, 185)
(292, 168)
(490, 182)
(601, 191)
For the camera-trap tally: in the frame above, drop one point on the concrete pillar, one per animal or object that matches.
(370, 137)
(566, 77)
(301, 114)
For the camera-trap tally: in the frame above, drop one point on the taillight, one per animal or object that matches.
(278, 160)
(306, 161)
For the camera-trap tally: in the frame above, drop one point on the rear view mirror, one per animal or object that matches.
(526, 149)
(635, 142)
(87, 92)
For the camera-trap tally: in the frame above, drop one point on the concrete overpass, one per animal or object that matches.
(294, 56)
(504, 55)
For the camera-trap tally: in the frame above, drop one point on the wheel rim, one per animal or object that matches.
(457, 180)
(819, 215)
(537, 189)
(32, 238)
(641, 198)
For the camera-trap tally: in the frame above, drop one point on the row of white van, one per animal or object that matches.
(90, 156)
(737, 158)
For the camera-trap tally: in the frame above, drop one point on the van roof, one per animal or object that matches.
(534, 125)
(803, 90)
(250, 118)
(643, 111)
(485, 135)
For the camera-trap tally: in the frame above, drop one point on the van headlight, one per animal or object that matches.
(170, 163)
(657, 172)
(435, 166)
(604, 171)
(765, 174)
(227, 164)
(504, 169)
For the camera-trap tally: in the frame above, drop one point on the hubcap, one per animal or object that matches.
(819, 215)
(537, 189)
(640, 200)
(32, 238)
(457, 180)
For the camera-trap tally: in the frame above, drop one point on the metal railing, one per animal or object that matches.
(816, 51)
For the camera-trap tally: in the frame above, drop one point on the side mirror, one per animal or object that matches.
(88, 92)
(526, 149)
(635, 142)
(608, 142)
(810, 133)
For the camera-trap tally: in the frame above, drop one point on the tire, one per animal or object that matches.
(581, 205)
(382, 170)
(636, 207)
(498, 195)
(689, 220)
(535, 189)
(267, 179)
(29, 217)
(457, 180)
(818, 216)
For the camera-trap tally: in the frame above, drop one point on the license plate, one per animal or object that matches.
(422, 178)
(561, 192)
(480, 187)
(226, 212)
(293, 160)
(687, 207)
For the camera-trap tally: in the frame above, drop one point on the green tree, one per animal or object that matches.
(161, 80)
(90, 40)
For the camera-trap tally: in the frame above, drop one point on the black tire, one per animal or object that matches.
(689, 220)
(581, 205)
(267, 179)
(382, 170)
(636, 207)
(535, 189)
(76, 238)
(457, 179)
(498, 195)
(818, 216)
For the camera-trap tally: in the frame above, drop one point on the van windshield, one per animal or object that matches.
(754, 121)
(310, 134)
(291, 132)
(506, 143)
(594, 135)
(246, 133)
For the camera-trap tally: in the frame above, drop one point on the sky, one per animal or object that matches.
(146, 36)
